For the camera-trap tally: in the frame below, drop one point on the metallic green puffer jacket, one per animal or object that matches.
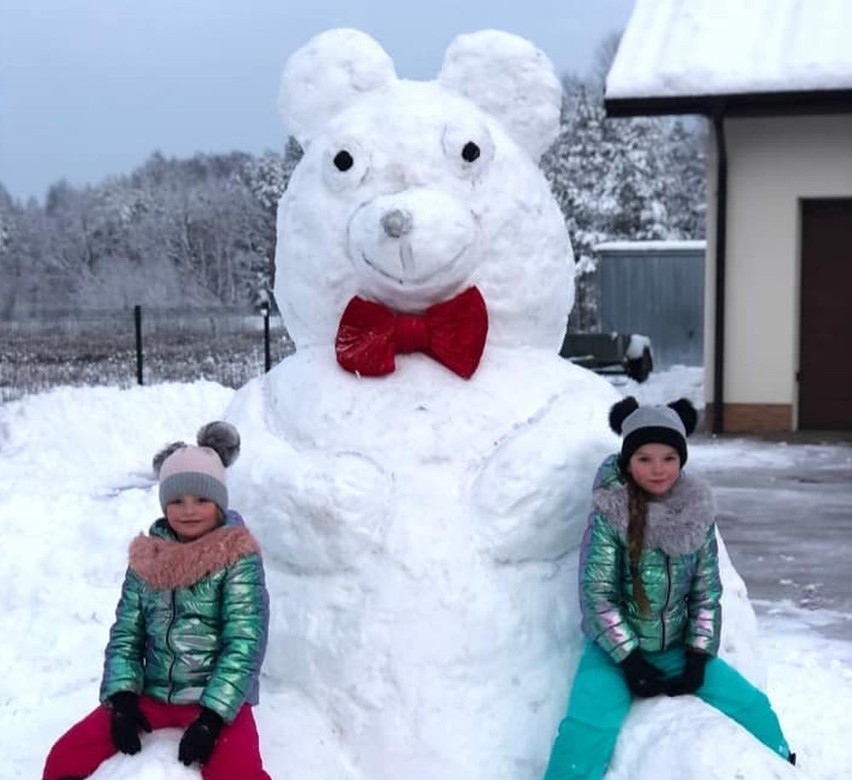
(679, 567)
(192, 621)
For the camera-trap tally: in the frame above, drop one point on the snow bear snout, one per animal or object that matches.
(410, 249)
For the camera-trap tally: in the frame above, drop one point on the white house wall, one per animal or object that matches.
(772, 164)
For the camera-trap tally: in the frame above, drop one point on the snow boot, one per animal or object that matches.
(792, 758)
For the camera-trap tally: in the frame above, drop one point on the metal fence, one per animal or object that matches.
(138, 346)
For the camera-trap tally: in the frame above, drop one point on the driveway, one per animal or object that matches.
(785, 512)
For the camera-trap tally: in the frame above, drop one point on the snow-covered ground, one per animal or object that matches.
(75, 487)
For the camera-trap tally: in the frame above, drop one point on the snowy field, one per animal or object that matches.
(75, 487)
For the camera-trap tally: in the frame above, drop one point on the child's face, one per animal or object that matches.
(191, 516)
(655, 468)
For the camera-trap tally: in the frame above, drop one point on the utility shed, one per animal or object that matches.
(655, 288)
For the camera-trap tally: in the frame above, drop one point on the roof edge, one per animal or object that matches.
(837, 101)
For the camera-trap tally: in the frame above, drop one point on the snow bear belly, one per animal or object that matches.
(419, 532)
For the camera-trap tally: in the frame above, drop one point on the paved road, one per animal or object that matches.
(788, 529)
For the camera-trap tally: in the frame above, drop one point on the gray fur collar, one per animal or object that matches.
(677, 523)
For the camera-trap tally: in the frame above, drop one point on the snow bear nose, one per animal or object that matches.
(397, 223)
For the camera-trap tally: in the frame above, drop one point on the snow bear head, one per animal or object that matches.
(410, 192)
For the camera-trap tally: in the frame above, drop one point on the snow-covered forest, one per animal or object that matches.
(198, 231)
(201, 231)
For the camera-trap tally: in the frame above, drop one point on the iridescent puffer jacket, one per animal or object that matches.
(679, 568)
(191, 624)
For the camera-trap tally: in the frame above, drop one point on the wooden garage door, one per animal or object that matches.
(825, 366)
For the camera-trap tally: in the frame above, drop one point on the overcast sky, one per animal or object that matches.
(91, 88)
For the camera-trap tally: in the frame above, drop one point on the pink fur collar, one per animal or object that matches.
(165, 564)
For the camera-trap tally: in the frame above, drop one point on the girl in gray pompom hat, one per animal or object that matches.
(649, 595)
(190, 631)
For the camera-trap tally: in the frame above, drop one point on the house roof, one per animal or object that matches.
(733, 57)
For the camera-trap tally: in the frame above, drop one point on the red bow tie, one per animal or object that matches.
(451, 332)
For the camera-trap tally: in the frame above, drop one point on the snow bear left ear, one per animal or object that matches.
(326, 75)
(512, 80)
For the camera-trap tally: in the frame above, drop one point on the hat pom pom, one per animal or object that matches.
(621, 411)
(686, 411)
(160, 457)
(222, 437)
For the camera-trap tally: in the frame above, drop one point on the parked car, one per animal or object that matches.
(627, 353)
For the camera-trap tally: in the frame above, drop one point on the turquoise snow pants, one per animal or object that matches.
(600, 701)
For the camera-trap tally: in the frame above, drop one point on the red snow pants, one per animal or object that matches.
(86, 745)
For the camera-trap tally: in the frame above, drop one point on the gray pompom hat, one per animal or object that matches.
(188, 470)
(670, 424)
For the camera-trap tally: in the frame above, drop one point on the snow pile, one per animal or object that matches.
(67, 522)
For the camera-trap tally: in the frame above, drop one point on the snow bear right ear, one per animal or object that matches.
(327, 74)
(510, 79)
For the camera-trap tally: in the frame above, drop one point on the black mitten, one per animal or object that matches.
(693, 675)
(643, 678)
(125, 721)
(200, 737)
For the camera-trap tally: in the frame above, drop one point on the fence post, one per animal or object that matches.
(137, 322)
(267, 357)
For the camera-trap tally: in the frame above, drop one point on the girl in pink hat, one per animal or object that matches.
(190, 630)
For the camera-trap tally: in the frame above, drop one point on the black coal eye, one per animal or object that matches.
(343, 160)
(470, 152)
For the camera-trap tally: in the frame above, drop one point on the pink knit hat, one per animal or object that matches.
(187, 470)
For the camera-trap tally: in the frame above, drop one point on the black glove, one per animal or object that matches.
(643, 678)
(693, 675)
(125, 721)
(199, 739)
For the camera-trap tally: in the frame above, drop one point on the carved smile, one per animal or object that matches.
(406, 258)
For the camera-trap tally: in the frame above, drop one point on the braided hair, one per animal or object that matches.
(637, 506)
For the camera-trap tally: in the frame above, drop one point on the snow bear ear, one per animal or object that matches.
(326, 75)
(512, 80)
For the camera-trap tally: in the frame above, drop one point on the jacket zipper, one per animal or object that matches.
(170, 678)
(666, 602)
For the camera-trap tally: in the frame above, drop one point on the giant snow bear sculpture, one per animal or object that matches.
(418, 525)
